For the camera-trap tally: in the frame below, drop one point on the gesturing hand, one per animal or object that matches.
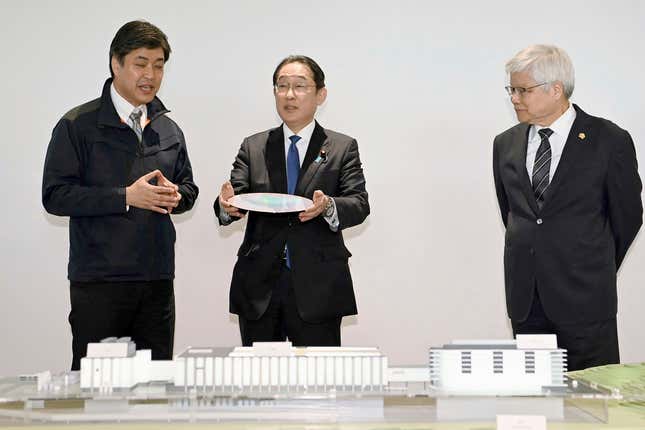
(159, 198)
(163, 181)
(320, 201)
(226, 192)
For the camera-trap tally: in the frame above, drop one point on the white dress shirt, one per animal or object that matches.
(124, 108)
(561, 128)
(302, 144)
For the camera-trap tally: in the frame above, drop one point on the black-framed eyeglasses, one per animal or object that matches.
(520, 91)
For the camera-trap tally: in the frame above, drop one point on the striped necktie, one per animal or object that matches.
(135, 118)
(542, 166)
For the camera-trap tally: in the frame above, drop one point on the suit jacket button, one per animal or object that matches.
(539, 221)
(531, 251)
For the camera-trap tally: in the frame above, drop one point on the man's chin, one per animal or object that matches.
(145, 99)
(522, 117)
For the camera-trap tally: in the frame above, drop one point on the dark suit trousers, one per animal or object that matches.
(144, 311)
(587, 344)
(282, 320)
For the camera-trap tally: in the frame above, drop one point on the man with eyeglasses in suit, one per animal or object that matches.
(570, 198)
(292, 280)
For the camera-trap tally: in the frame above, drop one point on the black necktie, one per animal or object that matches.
(542, 166)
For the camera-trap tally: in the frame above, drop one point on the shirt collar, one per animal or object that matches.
(561, 126)
(305, 133)
(124, 108)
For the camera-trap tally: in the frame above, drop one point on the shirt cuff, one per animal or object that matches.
(223, 215)
(122, 192)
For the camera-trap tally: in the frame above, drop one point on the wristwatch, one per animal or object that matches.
(329, 208)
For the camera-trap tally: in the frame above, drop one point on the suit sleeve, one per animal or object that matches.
(502, 200)
(183, 178)
(239, 180)
(63, 192)
(624, 196)
(351, 203)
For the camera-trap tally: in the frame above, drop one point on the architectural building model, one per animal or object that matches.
(496, 367)
(462, 367)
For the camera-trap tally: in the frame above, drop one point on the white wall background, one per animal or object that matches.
(418, 83)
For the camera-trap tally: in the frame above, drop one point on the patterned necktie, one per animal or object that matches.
(542, 166)
(293, 164)
(293, 171)
(135, 118)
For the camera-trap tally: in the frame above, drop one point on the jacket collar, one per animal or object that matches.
(107, 115)
(309, 168)
(277, 166)
(275, 160)
(520, 143)
(569, 155)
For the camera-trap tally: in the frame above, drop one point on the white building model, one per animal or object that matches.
(277, 366)
(113, 364)
(467, 367)
(498, 367)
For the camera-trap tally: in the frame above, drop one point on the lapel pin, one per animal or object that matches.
(582, 136)
(322, 157)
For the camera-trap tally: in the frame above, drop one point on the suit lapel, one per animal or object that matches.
(309, 168)
(570, 153)
(275, 161)
(520, 144)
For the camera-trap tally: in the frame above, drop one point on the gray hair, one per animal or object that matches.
(544, 63)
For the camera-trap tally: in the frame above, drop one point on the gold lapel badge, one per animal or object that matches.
(582, 136)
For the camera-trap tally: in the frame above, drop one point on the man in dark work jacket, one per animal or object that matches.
(118, 166)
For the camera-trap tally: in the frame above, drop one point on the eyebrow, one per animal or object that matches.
(296, 76)
(143, 57)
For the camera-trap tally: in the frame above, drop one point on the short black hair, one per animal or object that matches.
(134, 35)
(316, 71)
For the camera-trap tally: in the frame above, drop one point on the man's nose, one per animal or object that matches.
(147, 71)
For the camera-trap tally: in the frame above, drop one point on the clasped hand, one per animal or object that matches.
(161, 198)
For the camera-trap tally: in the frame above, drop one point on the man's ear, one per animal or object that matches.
(558, 89)
(116, 66)
(321, 96)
